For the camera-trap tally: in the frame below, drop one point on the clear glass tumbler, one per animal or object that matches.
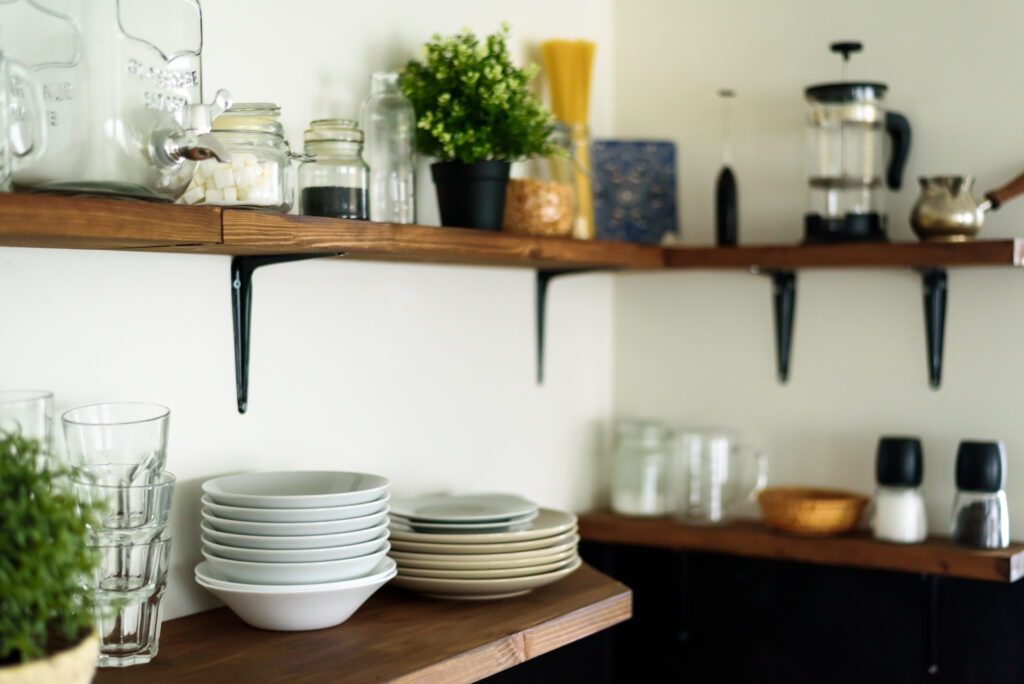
(130, 436)
(129, 514)
(128, 591)
(29, 412)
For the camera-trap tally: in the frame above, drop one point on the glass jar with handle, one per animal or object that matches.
(121, 81)
(22, 119)
(713, 472)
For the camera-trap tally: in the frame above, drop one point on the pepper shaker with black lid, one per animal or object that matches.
(980, 516)
(899, 513)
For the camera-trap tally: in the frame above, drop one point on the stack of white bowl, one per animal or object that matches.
(482, 546)
(295, 550)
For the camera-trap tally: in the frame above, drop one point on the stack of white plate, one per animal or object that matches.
(483, 546)
(295, 550)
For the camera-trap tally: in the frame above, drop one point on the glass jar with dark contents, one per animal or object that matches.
(334, 179)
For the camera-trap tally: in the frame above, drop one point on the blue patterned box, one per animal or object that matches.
(634, 184)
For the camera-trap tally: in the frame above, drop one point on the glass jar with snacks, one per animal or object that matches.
(543, 200)
(334, 178)
(258, 175)
(639, 474)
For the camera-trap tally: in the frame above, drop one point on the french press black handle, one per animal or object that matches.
(898, 128)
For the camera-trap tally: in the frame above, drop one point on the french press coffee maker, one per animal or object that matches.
(846, 162)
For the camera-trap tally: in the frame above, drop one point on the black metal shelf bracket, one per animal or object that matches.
(936, 288)
(543, 279)
(784, 310)
(242, 268)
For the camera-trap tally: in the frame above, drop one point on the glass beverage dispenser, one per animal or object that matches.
(847, 130)
(122, 86)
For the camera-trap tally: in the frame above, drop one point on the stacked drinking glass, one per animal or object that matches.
(117, 454)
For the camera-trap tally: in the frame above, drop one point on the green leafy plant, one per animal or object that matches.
(45, 560)
(472, 104)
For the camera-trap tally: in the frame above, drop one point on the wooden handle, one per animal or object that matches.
(1007, 192)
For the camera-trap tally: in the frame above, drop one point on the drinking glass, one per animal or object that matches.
(130, 436)
(29, 412)
(128, 591)
(128, 514)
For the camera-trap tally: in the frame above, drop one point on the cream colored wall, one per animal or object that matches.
(697, 348)
(421, 373)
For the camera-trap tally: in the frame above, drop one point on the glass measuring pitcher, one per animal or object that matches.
(121, 82)
(22, 120)
(713, 472)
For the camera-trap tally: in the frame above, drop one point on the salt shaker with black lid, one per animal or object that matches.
(899, 513)
(980, 516)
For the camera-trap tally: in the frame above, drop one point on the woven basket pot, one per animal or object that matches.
(810, 511)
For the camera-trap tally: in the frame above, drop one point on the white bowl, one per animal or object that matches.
(288, 515)
(254, 572)
(299, 529)
(313, 541)
(294, 555)
(296, 489)
(297, 608)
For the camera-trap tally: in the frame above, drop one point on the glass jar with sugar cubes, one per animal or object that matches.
(259, 175)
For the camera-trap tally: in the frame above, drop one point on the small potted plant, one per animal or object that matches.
(475, 115)
(46, 614)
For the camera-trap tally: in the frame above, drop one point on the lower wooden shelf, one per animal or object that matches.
(937, 556)
(395, 637)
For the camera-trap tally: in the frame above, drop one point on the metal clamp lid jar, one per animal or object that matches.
(258, 175)
(334, 178)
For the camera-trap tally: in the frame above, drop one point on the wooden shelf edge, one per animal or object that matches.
(396, 636)
(937, 556)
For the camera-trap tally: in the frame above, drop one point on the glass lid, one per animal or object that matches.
(258, 117)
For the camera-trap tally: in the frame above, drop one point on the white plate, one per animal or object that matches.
(313, 541)
(286, 515)
(496, 573)
(460, 549)
(252, 572)
(296, 489)
(480, 589)
(513, 525)
(503, 560)
(463, 508)
(296, 608)
(294, 555)
(298, 529)
(547, 523)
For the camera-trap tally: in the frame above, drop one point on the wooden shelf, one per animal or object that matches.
(95, 223)
(937, 556)
(395, 637)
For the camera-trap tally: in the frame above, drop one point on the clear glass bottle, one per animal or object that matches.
(640, 469)
(334, 177)
(258, 174)
(389, 121)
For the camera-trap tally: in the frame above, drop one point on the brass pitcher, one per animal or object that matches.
(946, 211)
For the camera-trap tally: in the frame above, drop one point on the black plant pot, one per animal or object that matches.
(471, 195)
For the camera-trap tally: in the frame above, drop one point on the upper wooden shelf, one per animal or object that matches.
(395, 637)
(937, 556)
(96, 223)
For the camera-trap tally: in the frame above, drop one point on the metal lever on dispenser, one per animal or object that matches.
(196, 142)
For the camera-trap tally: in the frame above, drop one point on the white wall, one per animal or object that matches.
(421, 373)
(697, 348)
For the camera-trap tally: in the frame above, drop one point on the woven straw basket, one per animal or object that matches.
(809, 511)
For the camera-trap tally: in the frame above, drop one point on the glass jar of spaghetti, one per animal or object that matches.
(540, 198)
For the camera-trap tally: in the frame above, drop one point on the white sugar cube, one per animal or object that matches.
(243, 193)
(245, 177)
(248, 159)
(223, 178)
(237, 163)
(206, 167)
(230, 195)
(194, 194)
(214, 196)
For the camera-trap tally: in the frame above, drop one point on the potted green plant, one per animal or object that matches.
(46, 615)
(475, 115)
